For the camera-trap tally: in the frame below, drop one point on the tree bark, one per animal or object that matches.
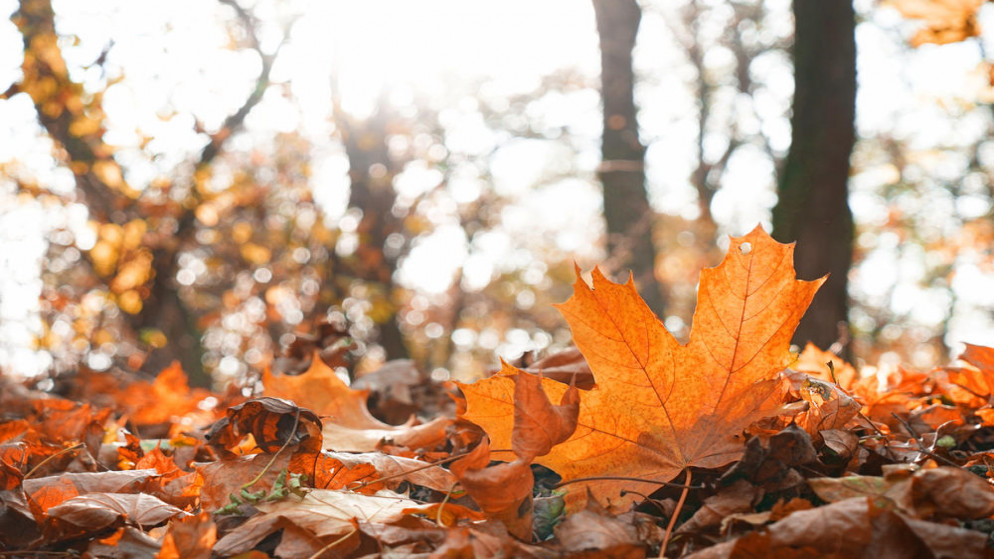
(627, 212)
(813, 207)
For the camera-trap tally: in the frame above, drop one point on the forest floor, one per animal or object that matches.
(629, 445)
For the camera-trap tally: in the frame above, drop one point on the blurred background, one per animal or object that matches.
(210, 181)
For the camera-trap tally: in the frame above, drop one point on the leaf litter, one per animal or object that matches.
(629, 445)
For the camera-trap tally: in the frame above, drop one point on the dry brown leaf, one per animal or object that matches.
(410, 435)
(829, 407)
(446, 514)
(737, 498)
(226, 477)
(853, 528)
(95, 511)
(951, 493)
(125, 542)
(599, 535)
(323, 513)
(341, 469)
(348, 424)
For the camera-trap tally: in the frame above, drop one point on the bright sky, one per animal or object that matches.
(173, 57)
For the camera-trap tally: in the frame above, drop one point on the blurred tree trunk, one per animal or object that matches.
(813, 207)
(61, 105)
(371, 171)
(626, 206)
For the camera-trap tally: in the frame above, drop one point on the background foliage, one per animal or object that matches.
(209, 188)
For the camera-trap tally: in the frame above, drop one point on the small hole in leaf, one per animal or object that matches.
(745, 248)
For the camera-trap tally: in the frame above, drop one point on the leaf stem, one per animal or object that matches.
(652, 502)
(448, 495)
(76, 446)
(334, 543)
(921, 445)
(676, 514)
(427, 465)
(293, 433)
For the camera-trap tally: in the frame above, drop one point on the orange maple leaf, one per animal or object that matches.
(659, 406)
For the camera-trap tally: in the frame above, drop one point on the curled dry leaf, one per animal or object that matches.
(659, 406)
(973, 384)
(951, 493)
(841, 442)
(770, 461)
(504, 491)
(411, 435)
(538, 424)
(95, 511)
(275, 425)
(829, 407)
(391, 387)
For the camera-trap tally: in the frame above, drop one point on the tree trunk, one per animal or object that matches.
(163, 309)
(622, 172)
(371, 171)
(813, 207)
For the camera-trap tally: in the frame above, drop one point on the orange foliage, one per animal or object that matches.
(659, 406)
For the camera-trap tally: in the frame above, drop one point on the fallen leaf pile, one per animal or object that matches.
(630, 445)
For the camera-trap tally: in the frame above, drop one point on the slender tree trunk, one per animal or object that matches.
(163, 309)
(813, 207)
(371, 170)
(626, 206)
